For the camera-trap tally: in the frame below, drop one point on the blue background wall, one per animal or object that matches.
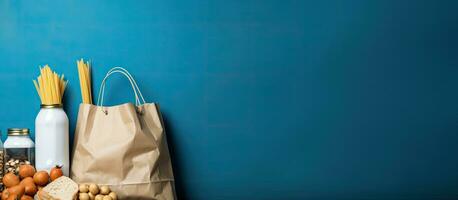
(263, 99)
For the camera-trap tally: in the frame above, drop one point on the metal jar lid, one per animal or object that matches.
(51, 106)
(18, 131)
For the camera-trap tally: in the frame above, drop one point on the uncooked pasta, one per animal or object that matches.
(84, 72)
(50, 86)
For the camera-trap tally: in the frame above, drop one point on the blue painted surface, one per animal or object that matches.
(264, 99)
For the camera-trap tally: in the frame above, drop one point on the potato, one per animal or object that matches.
(84, 196)
(91, 196)
(84, 188)
(107, 198)
(105, 190)
(113, 195)
(94, 189)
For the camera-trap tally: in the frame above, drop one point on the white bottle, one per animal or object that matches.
(52, 139)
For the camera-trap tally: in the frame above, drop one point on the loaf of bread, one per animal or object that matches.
(42, 196)
(62, 188)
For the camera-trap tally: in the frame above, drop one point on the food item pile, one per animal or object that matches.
(27, 184)
(96, 192)
(43, 186)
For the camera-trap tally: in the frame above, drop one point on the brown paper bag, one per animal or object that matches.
(124, 147)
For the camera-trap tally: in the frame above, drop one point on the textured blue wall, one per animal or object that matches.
(264, 99)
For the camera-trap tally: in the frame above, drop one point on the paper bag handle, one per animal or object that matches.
(132, 81)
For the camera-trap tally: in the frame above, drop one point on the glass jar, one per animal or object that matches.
(18, 149)
(1, 162)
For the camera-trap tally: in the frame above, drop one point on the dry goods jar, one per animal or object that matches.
(18, 149)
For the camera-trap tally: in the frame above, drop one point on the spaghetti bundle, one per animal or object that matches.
(50, 86)
(85, 80)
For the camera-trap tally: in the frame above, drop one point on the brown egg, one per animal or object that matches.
(10, 180)
(17, 190)
(26, 171)
(41, 178)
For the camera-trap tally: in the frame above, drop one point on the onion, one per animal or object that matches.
(10, 180)
(56, 172)
(26, 171)
(41, 178)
